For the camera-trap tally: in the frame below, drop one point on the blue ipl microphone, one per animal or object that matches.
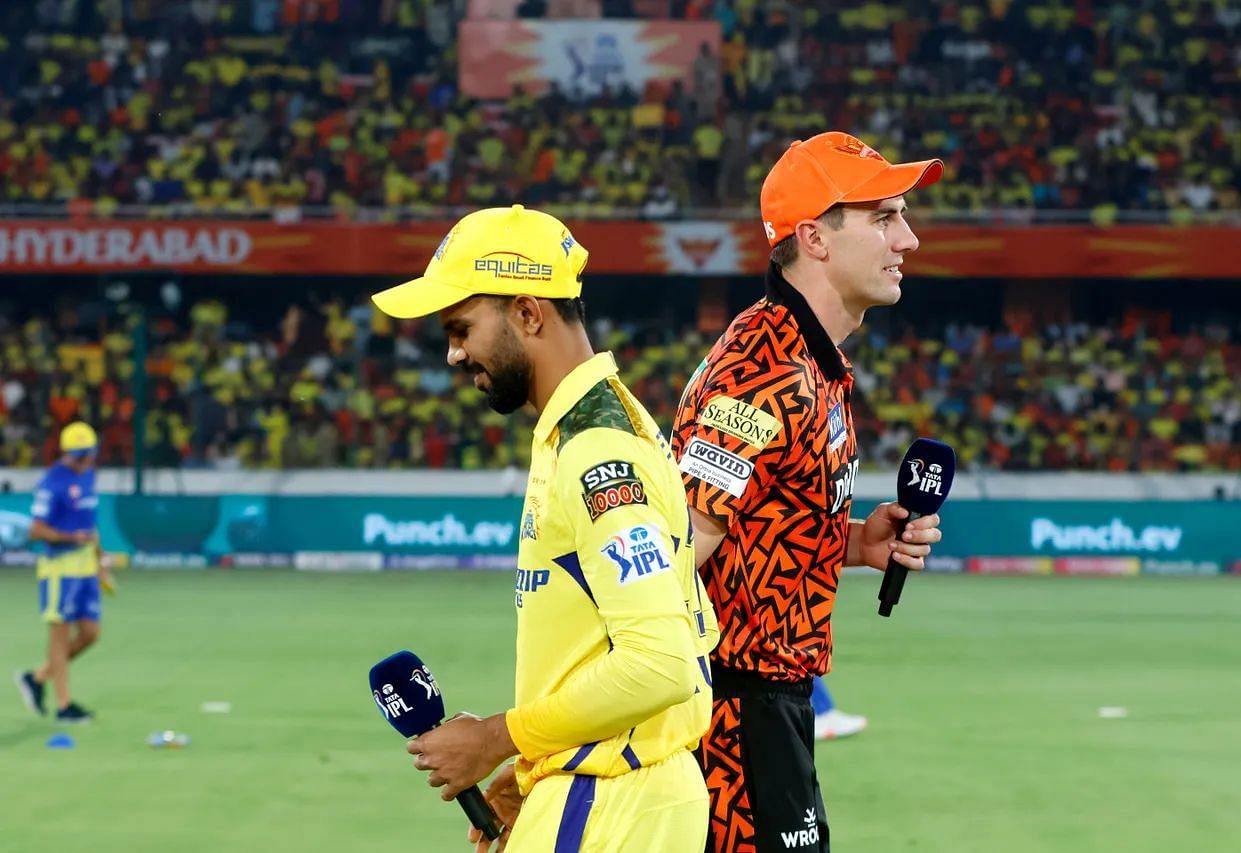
(922, 485)
(411, 702)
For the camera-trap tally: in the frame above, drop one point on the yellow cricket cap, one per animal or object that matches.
(77, 436)
(497, 251)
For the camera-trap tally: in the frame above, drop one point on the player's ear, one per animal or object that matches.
(811, 239)
(527, 314)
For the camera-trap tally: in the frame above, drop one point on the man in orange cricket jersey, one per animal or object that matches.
(764, 438)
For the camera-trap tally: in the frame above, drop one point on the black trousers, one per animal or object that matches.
(758, 759)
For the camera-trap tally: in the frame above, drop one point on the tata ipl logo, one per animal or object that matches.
(390, 702)
(636, 553)
(930, 480)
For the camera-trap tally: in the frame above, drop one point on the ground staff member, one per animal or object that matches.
(764, 437)
(613, 625)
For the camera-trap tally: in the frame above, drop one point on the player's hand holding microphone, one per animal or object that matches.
(463, 748)
(922, 485)
(900, 534)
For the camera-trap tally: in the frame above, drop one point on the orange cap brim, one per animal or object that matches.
(897, 179)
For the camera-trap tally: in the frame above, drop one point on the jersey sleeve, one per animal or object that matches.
(42, 506)
(626, 563)
(735, 429)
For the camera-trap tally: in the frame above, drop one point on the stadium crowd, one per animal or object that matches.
(352, 107)
(339, 384)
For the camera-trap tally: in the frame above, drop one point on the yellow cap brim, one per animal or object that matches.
(419, 298)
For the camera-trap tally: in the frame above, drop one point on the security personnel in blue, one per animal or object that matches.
(70, 570)
(613, 624)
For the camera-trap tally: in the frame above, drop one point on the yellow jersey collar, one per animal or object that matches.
(571, 389)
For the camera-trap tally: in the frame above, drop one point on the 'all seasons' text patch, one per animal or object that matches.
(740, 420)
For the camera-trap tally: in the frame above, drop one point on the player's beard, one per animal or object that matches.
(511, 375)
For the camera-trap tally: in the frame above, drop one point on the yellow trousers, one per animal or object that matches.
(656, 809)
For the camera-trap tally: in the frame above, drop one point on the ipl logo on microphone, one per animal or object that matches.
(930, 480)
(424, 679)
(390, 702)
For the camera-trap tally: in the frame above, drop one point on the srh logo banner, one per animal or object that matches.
(580, 56)
(701, 248)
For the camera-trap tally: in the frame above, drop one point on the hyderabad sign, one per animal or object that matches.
(121, 246)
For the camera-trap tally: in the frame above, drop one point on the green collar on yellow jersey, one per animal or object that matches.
(572, 389)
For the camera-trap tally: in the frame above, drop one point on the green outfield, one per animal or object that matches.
(983, 695)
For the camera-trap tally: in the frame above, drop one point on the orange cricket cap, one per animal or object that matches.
(828, 169)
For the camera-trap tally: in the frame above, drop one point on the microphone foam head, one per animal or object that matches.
(926, 476)
(407, 694)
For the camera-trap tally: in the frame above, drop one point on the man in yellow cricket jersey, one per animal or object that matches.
(613, 625)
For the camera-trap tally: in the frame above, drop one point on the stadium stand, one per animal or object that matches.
(351, 108)
(333, 383)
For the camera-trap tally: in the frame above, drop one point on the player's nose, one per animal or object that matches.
(906, 240)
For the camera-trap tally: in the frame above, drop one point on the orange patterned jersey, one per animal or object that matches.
(765, 443)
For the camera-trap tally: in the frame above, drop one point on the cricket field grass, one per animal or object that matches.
(983, 694)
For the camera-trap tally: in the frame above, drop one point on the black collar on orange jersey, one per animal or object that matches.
(818, 341)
